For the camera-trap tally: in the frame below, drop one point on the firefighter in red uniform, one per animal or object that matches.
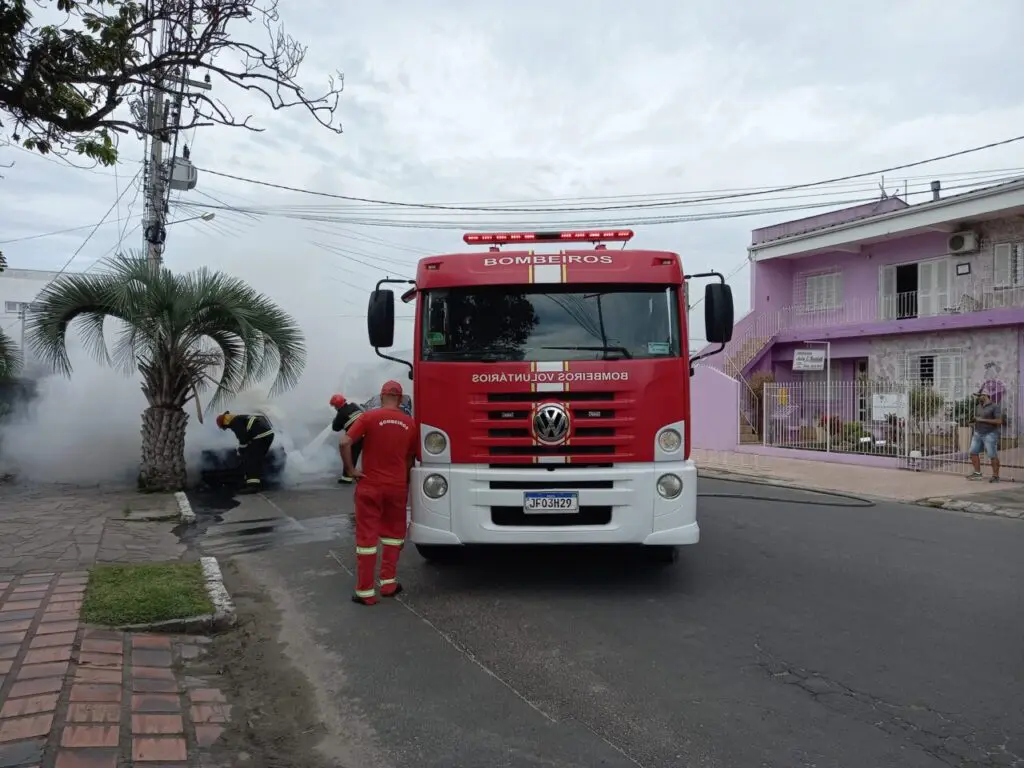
(389, 442)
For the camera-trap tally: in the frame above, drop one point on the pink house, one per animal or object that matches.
(900, 300)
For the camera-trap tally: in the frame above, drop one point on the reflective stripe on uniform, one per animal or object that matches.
(364, 593)
(366, 550)
(264, 434)
(386, 582)
(249, 423)
(392, 542)
(252, 480)
(352, 419)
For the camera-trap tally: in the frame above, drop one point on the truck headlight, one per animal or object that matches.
(669, 486)
(435, 443)
(435, 486)
(669, 440)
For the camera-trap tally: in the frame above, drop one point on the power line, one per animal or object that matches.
(54, 232)
(347, 212)
(85, 242)
(818, 194)
(441, 224)
(713, 198)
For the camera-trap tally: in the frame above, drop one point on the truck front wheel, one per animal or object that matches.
(661, 555)
(438, 553)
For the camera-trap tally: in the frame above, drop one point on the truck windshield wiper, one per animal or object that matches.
(621, 350)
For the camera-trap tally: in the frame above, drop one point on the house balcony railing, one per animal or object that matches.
(755, 332)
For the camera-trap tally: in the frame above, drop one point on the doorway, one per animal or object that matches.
(906, 291)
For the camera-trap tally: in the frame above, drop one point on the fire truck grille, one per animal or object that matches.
(601, 433)
(515, 517)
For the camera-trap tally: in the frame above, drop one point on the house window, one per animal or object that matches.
(823, 291)
(1007, 265)
(914, 289)
(943, 370)
(15, 307)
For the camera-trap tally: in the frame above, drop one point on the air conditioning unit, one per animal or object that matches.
(962, 242)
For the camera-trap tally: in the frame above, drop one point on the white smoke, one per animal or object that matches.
(86, 428)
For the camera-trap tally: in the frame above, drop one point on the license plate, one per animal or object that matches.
(540, 503)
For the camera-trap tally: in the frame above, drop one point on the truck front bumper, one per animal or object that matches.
(633, 511)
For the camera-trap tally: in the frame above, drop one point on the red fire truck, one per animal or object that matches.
(552, 392)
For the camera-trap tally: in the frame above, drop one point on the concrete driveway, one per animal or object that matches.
(794, 634)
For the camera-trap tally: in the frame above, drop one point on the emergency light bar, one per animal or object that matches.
(570, 236)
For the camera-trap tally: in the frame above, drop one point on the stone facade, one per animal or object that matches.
(986, 354)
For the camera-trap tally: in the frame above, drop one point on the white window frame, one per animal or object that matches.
(1007, 265)
(821, 291)
(938, 300)
(952, 386)
(16, 307)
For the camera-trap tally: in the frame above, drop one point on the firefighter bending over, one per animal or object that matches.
(255, 434)
(390, 442)
(345, 416)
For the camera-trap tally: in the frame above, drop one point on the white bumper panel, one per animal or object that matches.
(638, 514)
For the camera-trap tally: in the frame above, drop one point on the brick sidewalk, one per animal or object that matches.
(78, 697)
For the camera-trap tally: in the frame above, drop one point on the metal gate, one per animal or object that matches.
(922, 424)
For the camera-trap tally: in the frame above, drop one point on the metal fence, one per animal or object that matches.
(917, 424)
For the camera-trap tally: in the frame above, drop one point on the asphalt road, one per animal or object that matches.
(792, 635)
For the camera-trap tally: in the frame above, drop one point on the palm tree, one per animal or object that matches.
(10, 357)
(178, 331)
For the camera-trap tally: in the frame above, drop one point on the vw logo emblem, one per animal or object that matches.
(551, 424)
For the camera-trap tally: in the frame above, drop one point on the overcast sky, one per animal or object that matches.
(467, 101)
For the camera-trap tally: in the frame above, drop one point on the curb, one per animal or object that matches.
(938, 502)
(223, 615)
(186, 514)
(728, 474)
(223, 607)
(975, 507)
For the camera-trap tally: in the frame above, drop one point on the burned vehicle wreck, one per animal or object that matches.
(222, 469)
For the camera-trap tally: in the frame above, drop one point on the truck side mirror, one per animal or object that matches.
(718, 313)
(380, 319)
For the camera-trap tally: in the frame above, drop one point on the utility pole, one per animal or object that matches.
(163, 119)
(153, 229)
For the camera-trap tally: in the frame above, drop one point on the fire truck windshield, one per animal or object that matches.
(550, 322)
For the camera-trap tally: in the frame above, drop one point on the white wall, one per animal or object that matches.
(20, 285)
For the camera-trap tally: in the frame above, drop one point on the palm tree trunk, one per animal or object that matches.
(163, 449)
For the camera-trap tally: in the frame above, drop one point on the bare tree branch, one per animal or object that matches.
(63, 86)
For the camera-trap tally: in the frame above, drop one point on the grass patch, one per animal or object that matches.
(139, 594)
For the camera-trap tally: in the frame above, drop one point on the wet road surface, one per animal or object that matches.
(792, 635)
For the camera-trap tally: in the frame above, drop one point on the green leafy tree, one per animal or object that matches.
(75, 85)
(182, 332)
(10, 357)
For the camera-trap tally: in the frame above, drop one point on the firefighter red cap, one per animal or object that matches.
(391, 388)
(337, 400)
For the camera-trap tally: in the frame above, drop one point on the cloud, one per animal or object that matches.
(461, 101)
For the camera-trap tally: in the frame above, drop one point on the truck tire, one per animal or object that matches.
(437, 553)
(661, 555)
